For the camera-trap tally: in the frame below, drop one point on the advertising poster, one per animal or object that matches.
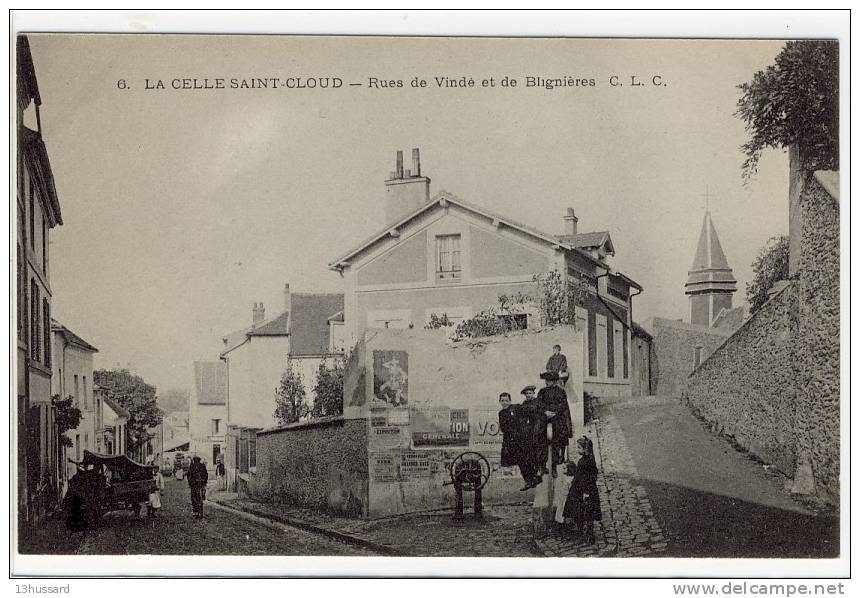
(391, 378)
(485, 434)
(440, 427)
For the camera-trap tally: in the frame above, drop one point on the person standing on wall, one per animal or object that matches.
(552, 404)
(557, 363)
(198, 477)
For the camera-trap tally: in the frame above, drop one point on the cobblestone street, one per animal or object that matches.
(671, 488)
(175, 531)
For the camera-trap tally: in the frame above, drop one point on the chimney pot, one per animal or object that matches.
(399, 165)
(416, 162)
(287, 303)
(570, 221)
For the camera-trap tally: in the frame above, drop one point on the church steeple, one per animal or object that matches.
(710, 284)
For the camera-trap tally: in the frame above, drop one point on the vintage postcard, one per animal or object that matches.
(392, 296)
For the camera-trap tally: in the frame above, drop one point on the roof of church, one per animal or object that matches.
(710, 269)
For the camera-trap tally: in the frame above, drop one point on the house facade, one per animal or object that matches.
(114, 428)
(38, 211)
(73, 377)
(443, 255)
(208, 412)
(308, 331)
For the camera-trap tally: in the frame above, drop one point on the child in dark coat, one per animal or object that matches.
(583, 502)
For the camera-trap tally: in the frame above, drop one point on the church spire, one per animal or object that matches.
(710, 284)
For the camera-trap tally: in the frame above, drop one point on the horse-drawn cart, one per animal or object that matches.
(105, 483)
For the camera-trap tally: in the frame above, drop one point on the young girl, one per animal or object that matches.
(583, 502)
(155, 496)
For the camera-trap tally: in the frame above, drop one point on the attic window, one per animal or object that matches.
(448, 258)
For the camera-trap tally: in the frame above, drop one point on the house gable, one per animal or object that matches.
(405, 262)
(495, 256)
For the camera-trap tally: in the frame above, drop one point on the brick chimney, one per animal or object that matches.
(259, 313)
(406, 191)
(288, 306)
(570, 221)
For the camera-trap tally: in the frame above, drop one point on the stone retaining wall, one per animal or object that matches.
(774, 385)
(318, 464)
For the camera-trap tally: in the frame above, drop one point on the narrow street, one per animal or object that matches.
(175, 531)
(710, 499)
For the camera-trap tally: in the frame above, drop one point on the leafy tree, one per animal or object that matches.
(66, 416)
(291, 404)
(558, 296)
(770, 266)
(132, 393)
(174, 399)
(794, 101)
(328, 392)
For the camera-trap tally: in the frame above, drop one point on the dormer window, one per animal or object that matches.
(448, 266)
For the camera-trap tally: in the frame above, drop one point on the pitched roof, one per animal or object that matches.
(442, 198)
(710, 265)
(117, 408)
(730, 319)
(71, 337)
(309, 333)
(277, 326)
(307, 326)
(589, 240)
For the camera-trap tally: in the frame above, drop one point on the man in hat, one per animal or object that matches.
(529, 420)
(552, 403)
(198, 477)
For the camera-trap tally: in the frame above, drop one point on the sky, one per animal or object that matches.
(183, 207)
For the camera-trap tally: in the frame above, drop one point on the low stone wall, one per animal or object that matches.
(747, 387)
(320, 464)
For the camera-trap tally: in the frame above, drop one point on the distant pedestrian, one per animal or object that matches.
(557, 363)
(583, 502)
(155, 495)
(198, 477)
(221, 473)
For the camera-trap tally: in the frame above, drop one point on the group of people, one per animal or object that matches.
(535, 437)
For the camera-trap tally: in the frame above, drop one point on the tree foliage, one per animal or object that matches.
(794, 101)
(770, 266)
(328, 392)
(291, 403)
(131, 392)
(558, 296)
(66, 416)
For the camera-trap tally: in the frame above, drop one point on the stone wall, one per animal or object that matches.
(774, 385)
(320, 464)
(746, 388)
(673, 352)
(818, 351)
